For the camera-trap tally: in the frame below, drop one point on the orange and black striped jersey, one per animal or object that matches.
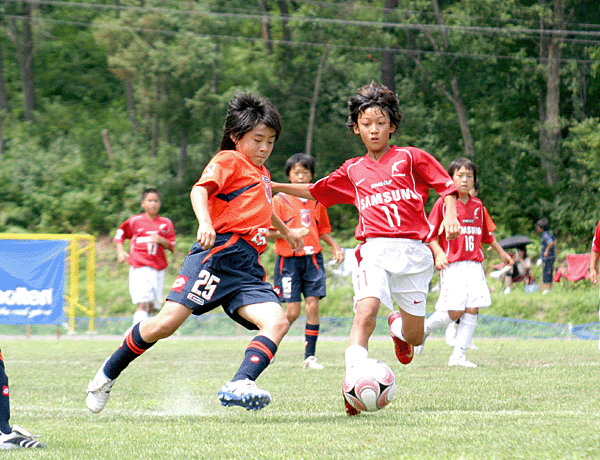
(296, 213)
(240, 197)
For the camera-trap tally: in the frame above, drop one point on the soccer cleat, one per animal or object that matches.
(350, 409)
(420, 348)
(244, 393)
(461, 361)
(311, 363)
(404, 350)
(98, 391)
(19, 438)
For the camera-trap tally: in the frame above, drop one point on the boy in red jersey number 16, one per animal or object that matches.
(463, 289)
(232, 201)
(389, 186)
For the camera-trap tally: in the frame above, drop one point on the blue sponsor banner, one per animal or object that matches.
(32, 281)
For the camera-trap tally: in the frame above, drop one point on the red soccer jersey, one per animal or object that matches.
(295, 213)
(142, 251)
(596, 240)
(240, 199)
(473, 230)
(390, 193)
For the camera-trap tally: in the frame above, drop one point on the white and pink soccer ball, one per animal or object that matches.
(369, 386)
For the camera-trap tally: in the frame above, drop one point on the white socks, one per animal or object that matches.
(436, 320)
(464, 333)
(354, 355)
(396, 328)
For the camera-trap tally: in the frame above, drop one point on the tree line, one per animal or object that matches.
(100, 99)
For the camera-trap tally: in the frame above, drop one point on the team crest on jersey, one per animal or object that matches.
(305, 217)
(395, 172)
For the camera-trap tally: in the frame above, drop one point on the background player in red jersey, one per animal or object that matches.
(463, 289)
(149, 235)
(233, 204)
(302, 272)
(594, 256)
(389, 186)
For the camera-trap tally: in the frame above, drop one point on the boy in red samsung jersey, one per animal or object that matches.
(302, 272)
(463, 289)
(389, 187)
(594, 256)
(233, 204)
(149, 235)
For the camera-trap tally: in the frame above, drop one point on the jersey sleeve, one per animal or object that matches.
(217, 172)
(596, 240)
(171, 235)
(432, 171)
(123, 232)
(323, 223)
(436, 216)
(488, 220)
(336, 188)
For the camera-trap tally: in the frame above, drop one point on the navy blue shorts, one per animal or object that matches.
(228, 275)
(295, 276)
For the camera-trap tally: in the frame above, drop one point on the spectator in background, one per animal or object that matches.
(547, 256)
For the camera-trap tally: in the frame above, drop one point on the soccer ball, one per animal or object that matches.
(369, 386)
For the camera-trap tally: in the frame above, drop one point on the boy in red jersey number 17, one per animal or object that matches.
(149, 235)
(389, 186)
(232, 201)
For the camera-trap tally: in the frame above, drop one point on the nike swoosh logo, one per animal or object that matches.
(414, 301)
(360, 181)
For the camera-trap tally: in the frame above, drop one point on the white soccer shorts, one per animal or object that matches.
(146, 285)
(394, 269)
(462, 286)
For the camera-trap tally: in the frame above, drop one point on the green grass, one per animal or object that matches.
(528, 399)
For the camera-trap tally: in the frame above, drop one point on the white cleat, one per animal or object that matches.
(244, 393)
(19, 438)
(461, 361)
(311, 363)
(98, 391)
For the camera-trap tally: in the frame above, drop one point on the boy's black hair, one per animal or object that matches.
(460, 163)
(543, 223)
(246, 111)
(148, 191)
(304, 159)
(374, 95)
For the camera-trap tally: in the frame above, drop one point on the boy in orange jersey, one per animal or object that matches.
(302, 272)
(233, 204)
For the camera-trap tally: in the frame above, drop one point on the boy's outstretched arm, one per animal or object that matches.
(289, 235)
(299, 190)
(450, 223)
(206, 233)
(594, 256)
(336, 252)
(440, 257)
(506, 258)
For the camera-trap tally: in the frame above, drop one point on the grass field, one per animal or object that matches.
(528, 399)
